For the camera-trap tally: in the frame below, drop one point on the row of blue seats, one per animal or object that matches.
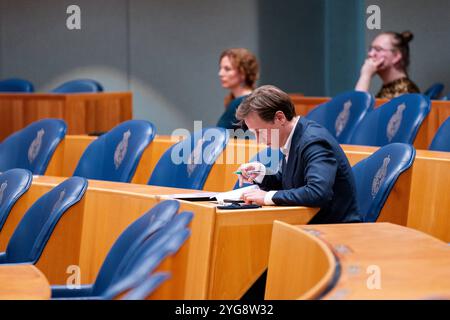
(115, 155)
(73, 86)
(129, 267)
(88, 85)
(352, 119)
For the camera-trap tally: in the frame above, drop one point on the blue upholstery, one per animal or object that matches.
(146, 287)
(395, 121)
(16, 85)
(447, 97)
(79, 86)
(148, 262)
(127, 243)
(434, 91)
(13, 184)
(114, 156)
(32, 147)
(154, 243)
(376, 175)
(188, 163)
(441, 140)
(265, 157)
(33, 231)
(342, 114)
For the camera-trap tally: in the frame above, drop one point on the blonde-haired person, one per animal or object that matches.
(388, 56)
(238, 72)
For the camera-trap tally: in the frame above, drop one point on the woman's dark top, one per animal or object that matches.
(228, 119)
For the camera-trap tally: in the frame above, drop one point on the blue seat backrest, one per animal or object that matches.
(376, 175)
(188, 163)
(148, 261)
(395, 121)
(147, 287)
(79, 86)
(131, 239)
(114, 156)
(155, 242)
(13, 184)
(342, 114)
(441, 140)
(434, 91)
(32, 147)
(33, 231)
(16, 85)
(270, 158)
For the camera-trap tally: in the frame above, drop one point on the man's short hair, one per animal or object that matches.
(265, 101)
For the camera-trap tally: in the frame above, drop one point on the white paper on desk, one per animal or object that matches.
(234, 194)
(205, 196)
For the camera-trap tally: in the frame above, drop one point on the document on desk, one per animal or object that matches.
(220, 197)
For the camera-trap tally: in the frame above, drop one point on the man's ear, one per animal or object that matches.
(280, 117)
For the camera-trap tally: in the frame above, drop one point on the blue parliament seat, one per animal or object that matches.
(441, 140)
(434, 91)
(16, 85)
(376, 175)
(342, 114)
(79, 86)
(35, 228)
(398, 120)
(123, 249)
(188, 163)
(13, 184)
(114, 156)
(32, 147)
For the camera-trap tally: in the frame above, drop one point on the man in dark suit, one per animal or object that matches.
(315, 171)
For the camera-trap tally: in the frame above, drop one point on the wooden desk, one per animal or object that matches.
(226, 253)
(83, 113)
(410, 264)
(440, 111)
(23, 282)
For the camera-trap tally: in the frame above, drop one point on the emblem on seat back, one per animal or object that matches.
(2, 190)
(121, 149)
(195, 158)
(35, 146)
(395, 122)
(342, 118)
(60, 199)
(380, 176)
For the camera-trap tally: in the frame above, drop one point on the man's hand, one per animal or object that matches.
(249, 171)
(254, 196)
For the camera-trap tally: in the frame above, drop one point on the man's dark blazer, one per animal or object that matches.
(317, 174)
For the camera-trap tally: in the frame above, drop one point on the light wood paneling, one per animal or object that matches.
(83, 113)
(23, 282)
(300, 265)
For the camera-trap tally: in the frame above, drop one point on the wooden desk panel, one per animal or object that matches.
(301, 266)
(205, 269)
(23, 282)
(440, 111)
(83, 113)
(411, 264)
(377, 261)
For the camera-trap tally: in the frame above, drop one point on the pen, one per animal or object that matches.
(249, 172)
